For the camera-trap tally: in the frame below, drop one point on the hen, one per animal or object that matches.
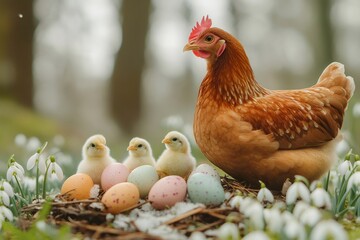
(254, 133)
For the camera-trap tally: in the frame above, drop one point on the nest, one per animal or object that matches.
(90, 221)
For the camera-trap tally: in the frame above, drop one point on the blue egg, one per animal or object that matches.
(206, 189)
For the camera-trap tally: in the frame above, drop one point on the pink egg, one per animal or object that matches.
(167, 192)
(113, 174)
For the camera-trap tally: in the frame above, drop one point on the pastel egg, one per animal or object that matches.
(203, 188)
(120, 197)
(77, 186)
(167, 192)
(113, 174)
(207, 169)
(144, 177)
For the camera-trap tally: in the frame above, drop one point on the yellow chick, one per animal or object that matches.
(96, 157)
(176, 158)
(140, 153)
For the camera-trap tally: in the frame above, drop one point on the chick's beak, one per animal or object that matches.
(131, 148)
(191, 46)
(166, 141)
(100, 146)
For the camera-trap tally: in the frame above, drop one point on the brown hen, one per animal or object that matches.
(253, 133)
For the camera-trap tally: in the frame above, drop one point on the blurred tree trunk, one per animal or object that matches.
(125, 91)
(326, 28)
(20, 49)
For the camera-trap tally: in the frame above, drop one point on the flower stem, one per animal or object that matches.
(45, 178)
(18, 183)
(37, 179)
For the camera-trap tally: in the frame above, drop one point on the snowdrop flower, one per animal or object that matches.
(326, 229)
(344, 169)
(273, 219)
(256, 235)
(235, 202)
(55, 169)
(15, 170)
(356, 110)
(32, 160)
(320, 198)
(5, 213)
(20, 140)
(310, 216)
(294, 230)
(228, 231)
(33, 144)
(297, 190)
(264, 194)
(197, 236)
(255, 214)
(354, 180)
(299, 208)
(6, 191)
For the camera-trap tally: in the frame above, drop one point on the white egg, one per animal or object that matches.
(203, 188)
(144, 177)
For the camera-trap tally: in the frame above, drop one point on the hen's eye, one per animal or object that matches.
(140, 145)
(209, 38)
(174, 139)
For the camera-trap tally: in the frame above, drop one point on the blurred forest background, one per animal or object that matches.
(70, 69)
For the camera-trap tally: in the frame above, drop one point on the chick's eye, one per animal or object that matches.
(174, 139)
(209, 38)
(92, 145)
(140, 145)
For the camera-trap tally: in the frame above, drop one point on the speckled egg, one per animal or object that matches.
(77, 186)
(144, 177)
(167, 191)
(120, 197)
(207, 169)
(203, 188)
(113, 174)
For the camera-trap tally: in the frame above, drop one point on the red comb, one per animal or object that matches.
(204, 24)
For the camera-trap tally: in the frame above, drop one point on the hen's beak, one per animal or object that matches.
(166, 141)
(191, 46)
(131, 148)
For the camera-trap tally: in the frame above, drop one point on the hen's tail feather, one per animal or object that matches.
(334, 78)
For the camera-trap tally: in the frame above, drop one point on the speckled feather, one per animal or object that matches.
(254, 133)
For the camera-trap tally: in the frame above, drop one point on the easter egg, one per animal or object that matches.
(167, 192)
(208, 170)
(77, 186)
(113, 174)
(120, 197)
(144, 177)
(203, 188)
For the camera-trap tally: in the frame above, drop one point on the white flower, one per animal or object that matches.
(56, 170)
(297, 190)
(356, 110)
(197, 236)
(294, 230)
(264, 195)
(299, 208)
(235, 202)
(321, 198)
(33, 144)
(228, 231)
(310, 216)
(5, 212)
(354, 180)
(32, 160)
(14, 171)
(20, 140)
(344, 169)
(4, 198)
(328, 229)
(255, 214)
(7, 188)
(256, 235)
(273, 219)
(42, 163)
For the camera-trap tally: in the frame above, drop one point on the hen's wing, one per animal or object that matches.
(297, 118)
